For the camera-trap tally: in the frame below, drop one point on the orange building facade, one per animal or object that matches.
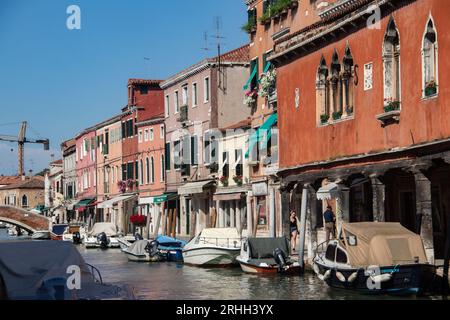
(363, 109)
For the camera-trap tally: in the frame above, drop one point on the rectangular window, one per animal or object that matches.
(130, 128)
(130, 170)
(140, 136)
(151, 134)
(194, 150)
(136, 166)
(184, 95)
(146, 135)
(206, 90)
(124, 172)
(152, 164)
(176, 102)
(167, 156)
(167, 106)
(226, 164)
(106, 145)
(124, 131)
(194, 95)
(254, 83)
(161, 131)
(163, 168)
(238, 162)
(176, 154)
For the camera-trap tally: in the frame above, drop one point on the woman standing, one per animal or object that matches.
(294, 230)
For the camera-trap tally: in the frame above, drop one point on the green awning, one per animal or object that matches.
(262, 134)
(252, 75)
(268, 64)
(84, 203)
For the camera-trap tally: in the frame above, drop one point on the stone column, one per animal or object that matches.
(249, 213)
(342, 208)
(232, 213)
(311, 222)
(424, 212)
(378, 194)
(221, 214)
(238, 216)
(285, 206)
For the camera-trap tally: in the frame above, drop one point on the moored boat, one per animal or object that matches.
(213, 247)
(267, 255)
(58, 231)
(75, 233)
(375, 257)
(143, 251)
(103, 235)
(170, 247)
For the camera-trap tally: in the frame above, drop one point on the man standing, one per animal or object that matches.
(328, 215)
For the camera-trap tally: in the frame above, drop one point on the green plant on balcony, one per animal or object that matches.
(430, 88)
(324, 118)
(391, 104)
(337, 115)
(238, 180)
(224, 181)
(249, 27)
(265, 18)
(349, 110)
(268, 83)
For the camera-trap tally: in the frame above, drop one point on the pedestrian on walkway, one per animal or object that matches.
(293, 230)
(330, 219)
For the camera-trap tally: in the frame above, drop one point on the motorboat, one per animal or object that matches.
(103, 235)
(58, 231)
(213, 247)
(144, 251)
(375, 257)
(267, 255)
(3, 225)
(54, 271)
(75, 233)
(128, 240)
(41, 235)
(171, 248)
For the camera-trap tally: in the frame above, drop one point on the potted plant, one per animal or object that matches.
(349, 110)
(250, 98)
(238, 180)
(324, 118)
(265, 18)
(122, 185)
(337, 115)
(430, 88)
(138, 220)
(268, 83)
(249, 27)
(224, 180)
(391, 104)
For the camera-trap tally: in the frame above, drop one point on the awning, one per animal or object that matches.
(195, 187)
(330, 191)
(157, 199)
(228, 196)
(111, 202)
(83, 203)
(268, 65)
(70, 204)
(252, 75)
(262, 134)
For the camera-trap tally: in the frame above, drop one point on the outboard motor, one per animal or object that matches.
(76, 237)
(280, 259)
(138, 237)
(103, 240)
(152, 248)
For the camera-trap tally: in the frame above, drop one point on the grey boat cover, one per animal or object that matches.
(109, 228)
(262, 248)
(137, 248)
(33, 270)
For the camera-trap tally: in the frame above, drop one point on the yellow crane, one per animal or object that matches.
(21, 139)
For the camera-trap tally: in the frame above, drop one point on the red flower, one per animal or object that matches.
(138, 220)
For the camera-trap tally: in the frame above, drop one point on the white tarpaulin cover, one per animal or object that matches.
(106, 227)
(108, 204)
(138, 248)
(220, 237)
(28, 269)
(194, 187)
(330, 191)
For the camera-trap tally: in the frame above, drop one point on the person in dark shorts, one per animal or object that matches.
(293, 230)
(329, 218)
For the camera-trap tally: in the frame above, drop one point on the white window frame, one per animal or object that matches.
(167, 105)
(152, 170)
(194, 95)
(162, 167)
(185, 95)
(162, 131)
(140, 136)
(206, 89)
(151, 134)
(436, 49)
(146, 135)
(176, 102)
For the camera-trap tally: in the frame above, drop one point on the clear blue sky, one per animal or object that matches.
(62, 81)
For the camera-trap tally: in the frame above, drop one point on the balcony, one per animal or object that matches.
(183, 114)
(185, 170)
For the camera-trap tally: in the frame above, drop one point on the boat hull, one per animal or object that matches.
(143, 258)
(293, 269)
(211, 256)
(403, 280)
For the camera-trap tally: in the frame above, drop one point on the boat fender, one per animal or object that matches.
(352, 277)
(381, 278)
(340, 276)
(324, 276)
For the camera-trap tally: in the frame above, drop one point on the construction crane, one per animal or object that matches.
(21, 139)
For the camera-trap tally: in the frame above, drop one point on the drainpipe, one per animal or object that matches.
(301, 250)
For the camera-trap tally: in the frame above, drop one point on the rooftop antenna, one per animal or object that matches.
(205, 38)
(219, 38)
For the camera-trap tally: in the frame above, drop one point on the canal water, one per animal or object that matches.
(161, 281)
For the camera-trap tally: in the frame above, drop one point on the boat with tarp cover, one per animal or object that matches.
(375, 257)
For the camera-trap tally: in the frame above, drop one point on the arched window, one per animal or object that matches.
(24, 201)
(348, 82)
(391, 63)
(153, 170)
(322, 89)
(336, 87)
(147, 171)
(163, 169)
(430, 61)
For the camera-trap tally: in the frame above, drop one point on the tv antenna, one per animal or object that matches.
(218, 37)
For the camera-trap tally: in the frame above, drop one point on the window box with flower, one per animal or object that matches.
(224, 181)
(391, 112)
(238, 180)
(430, 89)
(324, 118)
(138, 220)
(250, 98)
(337, 115)
(268, 83)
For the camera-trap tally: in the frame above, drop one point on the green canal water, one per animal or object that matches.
(161, 281)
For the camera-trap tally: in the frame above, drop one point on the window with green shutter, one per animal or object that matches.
(130, 171)
(167, 156)
(194, 150)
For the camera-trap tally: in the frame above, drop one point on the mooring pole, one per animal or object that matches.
(301, 250)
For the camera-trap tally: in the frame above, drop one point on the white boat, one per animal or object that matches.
(143, 251)
(103, 235)
(74, 233)
(216, 247)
